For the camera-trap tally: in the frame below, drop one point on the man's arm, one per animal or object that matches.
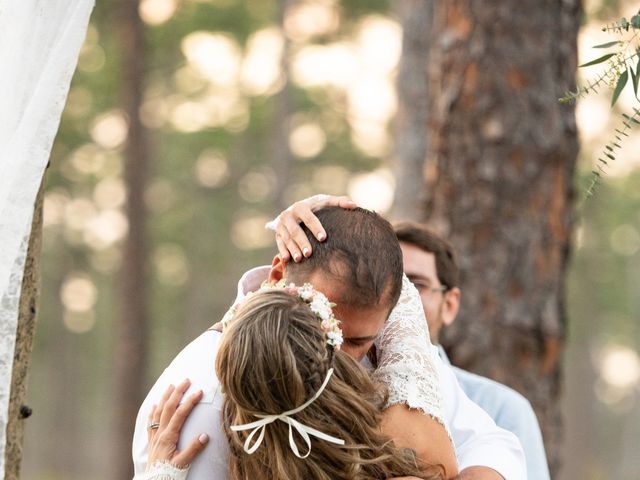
(485, 451)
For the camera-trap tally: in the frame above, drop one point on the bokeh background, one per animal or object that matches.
(214, 105)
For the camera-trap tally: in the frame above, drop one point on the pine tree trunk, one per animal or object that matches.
(25, 331)
(504, 153)
(132, 331)
(410, 145)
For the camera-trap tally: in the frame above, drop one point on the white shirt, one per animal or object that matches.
(511, 411)
(477, 439)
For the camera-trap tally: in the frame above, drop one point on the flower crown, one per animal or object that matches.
(318, 303)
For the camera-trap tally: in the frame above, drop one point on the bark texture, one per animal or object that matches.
(504, 153)
(131, 349)
(410, 146)
(25, 331)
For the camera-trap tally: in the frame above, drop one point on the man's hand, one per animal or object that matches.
(291, 239)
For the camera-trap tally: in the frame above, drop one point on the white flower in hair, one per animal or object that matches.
(321, 306)
(306, 292)
(334, 338)
(318, 303)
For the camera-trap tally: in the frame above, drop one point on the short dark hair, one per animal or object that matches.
(361, 250)
(425, 239)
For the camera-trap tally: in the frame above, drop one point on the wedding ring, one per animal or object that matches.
(154, 425)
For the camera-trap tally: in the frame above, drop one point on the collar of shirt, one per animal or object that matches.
(442, 354)
(251, 281)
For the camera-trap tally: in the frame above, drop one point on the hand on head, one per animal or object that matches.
(291, 239)
(165, 422)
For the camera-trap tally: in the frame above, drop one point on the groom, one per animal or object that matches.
(359, 267)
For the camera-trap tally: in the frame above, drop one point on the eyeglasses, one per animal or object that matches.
(425, 288)
(441, 288)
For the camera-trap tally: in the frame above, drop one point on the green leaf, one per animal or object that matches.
(635, 83)
(622, 81)
(631, 119)
(603, 58)
(608, 44)
(635, 21)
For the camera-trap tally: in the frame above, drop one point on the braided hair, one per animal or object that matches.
(273, 357)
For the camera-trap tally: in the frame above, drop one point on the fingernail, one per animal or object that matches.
(203, 438)
(306, 252)
(322, 236)
(296, 258)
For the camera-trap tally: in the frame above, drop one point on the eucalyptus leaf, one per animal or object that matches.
(603, 58)
(608, 44)
(622, 81)
(635, 83)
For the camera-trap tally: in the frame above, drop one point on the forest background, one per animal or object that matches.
(237, 120)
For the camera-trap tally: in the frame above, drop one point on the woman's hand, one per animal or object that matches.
(291, 239)
(165, 422)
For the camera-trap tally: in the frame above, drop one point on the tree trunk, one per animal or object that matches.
(505, 153)
(25, 332)
(131, 347)
(410, 146)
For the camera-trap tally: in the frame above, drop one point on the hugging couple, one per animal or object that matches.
(322, 369)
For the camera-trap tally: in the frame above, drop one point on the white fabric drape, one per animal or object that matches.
(40, 42)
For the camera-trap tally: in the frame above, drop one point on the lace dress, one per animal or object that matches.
(405, 362)
(163, 471)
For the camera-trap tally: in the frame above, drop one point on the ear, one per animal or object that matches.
(278, 270)
(450, 306)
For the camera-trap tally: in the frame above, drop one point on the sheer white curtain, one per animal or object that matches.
(39, 45)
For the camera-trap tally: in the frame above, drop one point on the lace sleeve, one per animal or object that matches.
(404, 352)
(163, 471)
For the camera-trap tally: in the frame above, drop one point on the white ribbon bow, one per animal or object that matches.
(303, 430)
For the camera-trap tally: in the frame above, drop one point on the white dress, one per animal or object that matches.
(163, 471)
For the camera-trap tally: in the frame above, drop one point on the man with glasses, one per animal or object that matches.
(430, 263)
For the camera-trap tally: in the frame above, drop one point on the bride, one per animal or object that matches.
(285, 380)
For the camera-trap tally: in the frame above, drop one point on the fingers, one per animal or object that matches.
(186, 456)
(320, 201)
(346, 202)
(217, 327)
(157, 410)
(306, 216)
(172, 402)
(182, 412)
(150, 419)
(171, 416)
(282, 249)
(290, 237)
(297, 242)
